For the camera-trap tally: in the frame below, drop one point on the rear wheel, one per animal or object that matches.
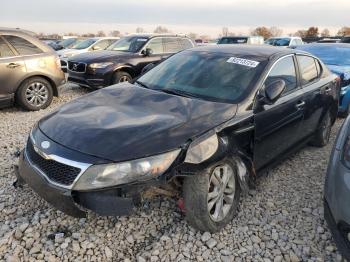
(321, 137)
(121, 76)
(212, 197)
(34, 94)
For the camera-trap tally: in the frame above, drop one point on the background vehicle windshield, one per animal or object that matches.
(84, 44)
(67, 42)
(329, 55)
(233, 40)
(278, 41)
(205, 75)
(129, 44)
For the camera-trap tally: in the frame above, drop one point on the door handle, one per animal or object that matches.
(327, 89)
(13, 65)
(300, 104)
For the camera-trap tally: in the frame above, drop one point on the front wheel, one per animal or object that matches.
(322, 135)
(212, 197)
(34, 94)
(121, 76)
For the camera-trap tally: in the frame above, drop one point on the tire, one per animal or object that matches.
(196, 191)
(120, 77)
(34, 94)
(321, 137)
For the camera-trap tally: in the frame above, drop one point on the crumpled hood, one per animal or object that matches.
(124, 122)
(342, 71)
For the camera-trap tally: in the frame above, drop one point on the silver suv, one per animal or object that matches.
(30, 71)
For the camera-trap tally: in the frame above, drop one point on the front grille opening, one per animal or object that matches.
(76, 67)
(55, 171)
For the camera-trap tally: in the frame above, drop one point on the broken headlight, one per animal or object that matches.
(108, 175)
(202, 149)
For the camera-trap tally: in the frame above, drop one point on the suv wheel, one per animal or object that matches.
(121, 76)
(34, 94)
(212, 197)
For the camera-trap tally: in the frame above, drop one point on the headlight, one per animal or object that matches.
(100, 65)
(202, 149)
(101, 176)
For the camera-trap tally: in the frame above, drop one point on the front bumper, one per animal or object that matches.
(106, 202)
(95, 79)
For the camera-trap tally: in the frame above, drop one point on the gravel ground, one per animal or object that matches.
(281, 220)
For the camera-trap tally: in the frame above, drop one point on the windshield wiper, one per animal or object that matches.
(142, 84)
(177, 92)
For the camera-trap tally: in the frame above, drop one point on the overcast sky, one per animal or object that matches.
(180, 16)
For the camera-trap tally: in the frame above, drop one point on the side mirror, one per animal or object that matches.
(147, 52)
(96, 48)
(273, 91)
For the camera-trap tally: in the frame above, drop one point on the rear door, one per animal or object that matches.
(317, 92)
(277, 125)
(12, 69)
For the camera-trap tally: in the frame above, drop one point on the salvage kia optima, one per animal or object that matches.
(203, 122)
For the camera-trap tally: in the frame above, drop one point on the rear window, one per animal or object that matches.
(172, 45)
(308, 69)
(5, 50)
(23, 46)
(233, 40)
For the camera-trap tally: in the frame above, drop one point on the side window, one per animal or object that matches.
(293, 42)
(171, 45)
(186, 43)
(308, 69)
(5, 50)
(101, 45)
(23, 46)
(156, 44)
(284, 70)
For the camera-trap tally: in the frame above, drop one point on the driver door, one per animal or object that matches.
(277, 125)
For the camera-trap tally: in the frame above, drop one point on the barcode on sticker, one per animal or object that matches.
(241, 61)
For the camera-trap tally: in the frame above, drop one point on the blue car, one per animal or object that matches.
(337, 58)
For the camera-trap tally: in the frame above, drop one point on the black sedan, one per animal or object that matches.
(203, 122)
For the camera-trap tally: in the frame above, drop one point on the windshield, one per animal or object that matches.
(84, 44)
(67, 42)
(278, 41)
(330, 55)
(210, 76)
(233, 40)
(129, 44)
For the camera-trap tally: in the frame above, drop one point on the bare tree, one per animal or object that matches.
(101, 34)
(115, 33)
(276, 31)
(300, 33)
(344, 31)
(161, 30)
(262, 31)
(325, 33)
(88, 35)
(140, 30)
(225, 31)
(312, 32)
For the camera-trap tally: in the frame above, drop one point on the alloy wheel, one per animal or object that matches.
(37, 94)
(124, 79)
(221, 192)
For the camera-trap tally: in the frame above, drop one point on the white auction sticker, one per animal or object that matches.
(241, 61)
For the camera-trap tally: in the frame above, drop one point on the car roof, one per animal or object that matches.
(264, 51)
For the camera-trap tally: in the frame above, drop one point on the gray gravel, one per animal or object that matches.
(281, 220)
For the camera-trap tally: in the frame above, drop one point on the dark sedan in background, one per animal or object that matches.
(337, 58)
(124, 60)
(205, 134)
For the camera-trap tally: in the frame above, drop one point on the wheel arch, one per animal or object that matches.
(125, 68)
